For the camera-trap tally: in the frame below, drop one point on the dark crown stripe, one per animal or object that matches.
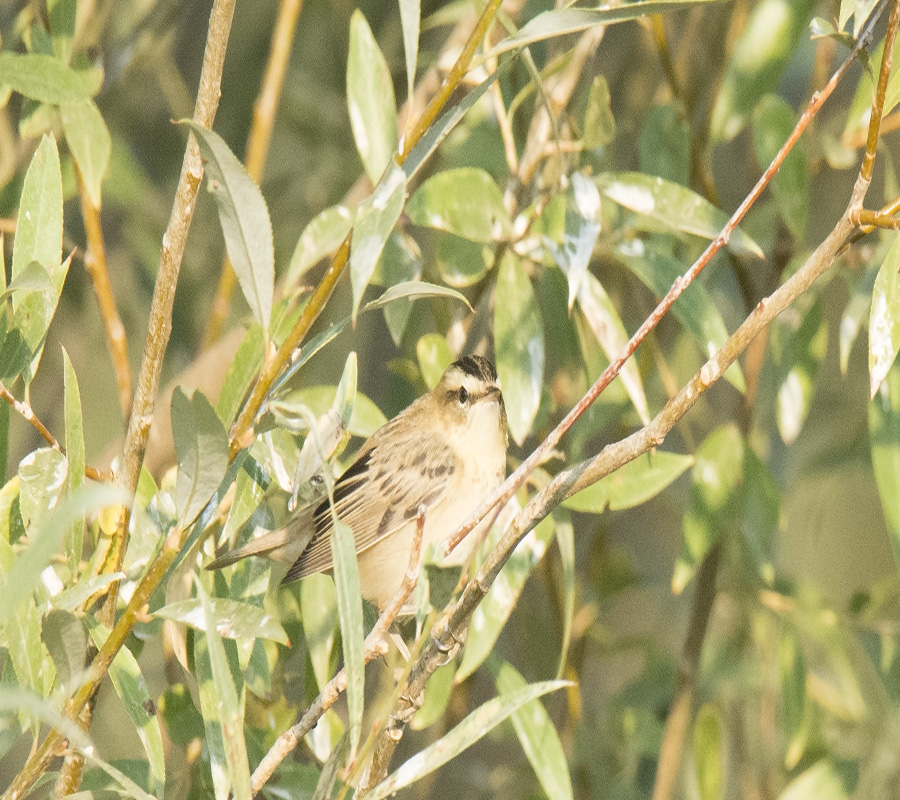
(478, 367)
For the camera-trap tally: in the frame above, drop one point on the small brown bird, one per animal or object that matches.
(446, 451)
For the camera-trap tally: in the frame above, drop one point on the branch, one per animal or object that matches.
(95, 263)
(258, 144)
(375, 645)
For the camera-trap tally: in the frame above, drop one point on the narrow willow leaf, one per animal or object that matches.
(519, 345)
(72, 599)
(565, 540)
(792, 669)
(462, 262)
(346, 580)
(323, 235)
(581, 232)
(884, 318)
(708, 755)
(370, 99)
(45, 542)
(823, 781)
(42, 482)
(16, 700)
(463, 201)
(773, 123)
(375, 219)
(222, 703)
(673, 205)
(319, 615)
(470, 730)
(599, 122)
(761, 514)
(40, 77)
(90, 143)
(715, 500)
(410, 13)
(64, 635)
(434, 356)
(884, 441)
(855, 316)
(664, 146)
(550, 24)
(491, 615)
(129, 787)
(364, 421)
(129, 683)
(233, 619)
(201, 446)
(694, 308)
(799, 353)
(74, 457)
(633, 484)
(30, 662)
(758, 58)
(537, 735)
(243, 368)
(416, 289)
(244, 219)
(604, 321)
(39, 238)
(62, 15)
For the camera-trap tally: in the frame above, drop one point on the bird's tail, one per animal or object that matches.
(286, 544)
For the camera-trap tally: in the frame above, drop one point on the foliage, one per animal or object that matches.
(692, 589)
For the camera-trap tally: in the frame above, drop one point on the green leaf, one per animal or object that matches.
(222, 704)
(762, 512)
(581, 232)
(375, 219)
(72, 599)
(319, 615)
(414, 290)
(323, 235)
(565, 540)
(884, 318)
(349, 603)
(90, 143)
(766, 44)
(130, 686)
(434, 356)
(74, 458)
(45, 542)
(42, 481)
(792, 668)
(40, 77)
(491, 614)
(245, 221)
(61, 15)
(773, 123)
(884, 441)
(410, 14)
(674, 206)
(470, 730)
(822, 781)
(461, 262)
(465, 202)
(550, 24)
(599, 123)
(715, 500)
(65, 637)
(364, 421)
(233, 619)
(856, 315)
(201, 446)
(633, 484)
(798, 352)
(370, 99)
(600, 314)
(519, 345)
(243, 369)
(39, 238)
(664, 146)
(537, 735)
(694, 308)
(708, 755)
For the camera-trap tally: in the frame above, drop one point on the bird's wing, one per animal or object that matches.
(379, 494)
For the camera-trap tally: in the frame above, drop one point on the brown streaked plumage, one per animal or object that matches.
(446, 451)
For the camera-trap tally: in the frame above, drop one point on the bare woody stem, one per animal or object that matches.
(258, 143)
(95, 263)
(273, 366)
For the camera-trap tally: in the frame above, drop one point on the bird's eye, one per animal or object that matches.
(463, 395)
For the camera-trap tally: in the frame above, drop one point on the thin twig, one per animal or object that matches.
(174, 240)
(512, 484)
(258, 144)
(242, 428)
(95, 263)
(23, 409)
(375, 645)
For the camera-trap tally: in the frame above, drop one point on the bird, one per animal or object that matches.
(445, 452)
